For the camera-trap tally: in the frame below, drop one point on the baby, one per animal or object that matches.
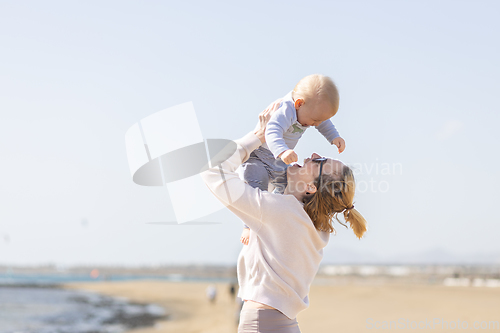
(313, 101)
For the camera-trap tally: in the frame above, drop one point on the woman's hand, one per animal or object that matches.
(264, 117)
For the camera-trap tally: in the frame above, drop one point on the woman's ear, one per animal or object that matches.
(311, 189)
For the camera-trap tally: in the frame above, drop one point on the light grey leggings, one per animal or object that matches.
(266, 321)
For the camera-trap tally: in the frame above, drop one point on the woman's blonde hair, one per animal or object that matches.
(316, 87)
(334, 197)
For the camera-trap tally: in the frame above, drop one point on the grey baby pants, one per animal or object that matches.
(262, 168)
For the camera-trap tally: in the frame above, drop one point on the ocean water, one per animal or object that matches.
(47, 310)
(36, 304)
(54, 310)
(46, 279)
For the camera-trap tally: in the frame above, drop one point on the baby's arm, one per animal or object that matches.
(331, 134)
(280, 121)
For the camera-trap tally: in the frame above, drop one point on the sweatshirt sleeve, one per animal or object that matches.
(328, 130)
(224, 182)
(279, 123)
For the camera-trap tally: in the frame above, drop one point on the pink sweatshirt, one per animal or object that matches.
(282, 258)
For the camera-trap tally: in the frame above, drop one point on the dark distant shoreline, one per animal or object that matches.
(32, 285)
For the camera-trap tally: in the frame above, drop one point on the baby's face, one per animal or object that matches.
(313, 114)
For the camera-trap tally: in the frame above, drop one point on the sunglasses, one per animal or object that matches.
(320, 160)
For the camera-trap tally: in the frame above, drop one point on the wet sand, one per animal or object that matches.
(333, 308)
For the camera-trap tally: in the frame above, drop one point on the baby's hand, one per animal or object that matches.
(245, 235)
(289, 156)
(340, 143)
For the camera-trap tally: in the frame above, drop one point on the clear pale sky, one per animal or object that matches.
(418, 80)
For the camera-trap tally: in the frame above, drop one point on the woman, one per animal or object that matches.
(287, 232)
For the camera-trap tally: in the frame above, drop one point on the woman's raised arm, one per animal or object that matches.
(224, 182)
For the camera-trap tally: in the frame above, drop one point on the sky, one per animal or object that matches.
(419, 111)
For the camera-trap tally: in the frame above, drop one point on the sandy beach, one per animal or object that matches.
(333, 308)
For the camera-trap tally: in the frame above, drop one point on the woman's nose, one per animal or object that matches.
(314, 155)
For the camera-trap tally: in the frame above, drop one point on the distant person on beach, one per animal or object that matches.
(211, 292)
(288, 232)
(313, 101)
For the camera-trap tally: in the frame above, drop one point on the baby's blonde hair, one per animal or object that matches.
(315, 88)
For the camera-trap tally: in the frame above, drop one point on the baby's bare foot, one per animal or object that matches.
(245, 235)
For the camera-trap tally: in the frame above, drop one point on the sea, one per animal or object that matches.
(36, 303)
